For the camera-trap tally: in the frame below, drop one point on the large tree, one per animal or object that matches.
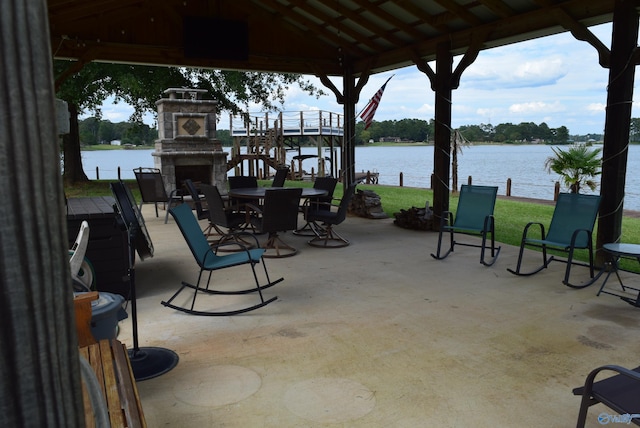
(86, 87)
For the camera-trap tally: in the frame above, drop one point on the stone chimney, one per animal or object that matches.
(187, 146)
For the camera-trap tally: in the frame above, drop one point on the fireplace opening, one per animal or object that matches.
(196, 173)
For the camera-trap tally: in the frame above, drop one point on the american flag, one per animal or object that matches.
(370, 110)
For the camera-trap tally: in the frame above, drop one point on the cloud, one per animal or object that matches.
(514, 71)
(426, 109)
(596, 108)
(536, 107)
(117, 112)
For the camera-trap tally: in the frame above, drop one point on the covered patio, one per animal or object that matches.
(378, 334)
(420, 342)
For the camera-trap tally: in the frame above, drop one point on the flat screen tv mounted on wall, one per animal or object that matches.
(216, 38)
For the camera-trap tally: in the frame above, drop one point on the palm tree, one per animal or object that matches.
(458, 141)
(576, 166)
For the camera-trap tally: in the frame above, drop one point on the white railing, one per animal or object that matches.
(315, 122)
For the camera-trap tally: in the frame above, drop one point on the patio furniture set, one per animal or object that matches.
(234, 223)
(273, 210)
(230, 239)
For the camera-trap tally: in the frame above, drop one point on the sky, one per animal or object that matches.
(555, 79)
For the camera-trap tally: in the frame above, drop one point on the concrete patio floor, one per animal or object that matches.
(376, 334)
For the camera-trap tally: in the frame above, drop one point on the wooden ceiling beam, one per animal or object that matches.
(392, 20)
(314, 29)
(543, 3)
(526, 23)
(355, 16)
(91, 9)
(581, 32)
(437, 24)
(461, 11)
(336, 21)
(297, 33)
(499, 7)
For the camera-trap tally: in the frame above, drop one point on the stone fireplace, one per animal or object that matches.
(187, 146)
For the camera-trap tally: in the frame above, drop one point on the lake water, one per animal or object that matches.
(489, 165)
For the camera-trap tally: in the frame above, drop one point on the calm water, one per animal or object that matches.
(488, 165)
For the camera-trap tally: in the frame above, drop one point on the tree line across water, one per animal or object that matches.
(94, 131)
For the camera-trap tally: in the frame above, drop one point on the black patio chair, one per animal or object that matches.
(201, 212)
(152, 190)
(280, 177)
(474, 216)
(571, 228)
(208, 261)
(222, 217)
(278, 213)
(242, 182)
(327, 184)
(325, 235)
(620, 392)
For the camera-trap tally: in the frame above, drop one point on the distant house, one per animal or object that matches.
(389, 139)
(116, 143)
(394, 140)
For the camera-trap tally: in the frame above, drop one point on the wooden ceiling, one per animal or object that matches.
(305, 36)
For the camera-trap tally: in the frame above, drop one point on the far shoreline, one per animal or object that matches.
(97, 147)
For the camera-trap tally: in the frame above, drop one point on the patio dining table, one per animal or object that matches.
(259, 192)
(274, 242)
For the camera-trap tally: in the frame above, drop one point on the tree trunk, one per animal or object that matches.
(454, 165)
(73, 172)
(575, 188)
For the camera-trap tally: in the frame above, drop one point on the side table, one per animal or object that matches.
(616, 252)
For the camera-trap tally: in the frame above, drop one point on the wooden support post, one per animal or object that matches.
(351, 95)
(442, 135)
(617, 124)
(41, 383)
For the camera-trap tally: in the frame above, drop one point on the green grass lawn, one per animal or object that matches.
(511, 216)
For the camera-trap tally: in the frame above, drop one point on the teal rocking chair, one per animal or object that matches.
(571, 228)
(474, 216)
(209, 261)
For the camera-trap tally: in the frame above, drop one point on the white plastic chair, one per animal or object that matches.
(81, 269)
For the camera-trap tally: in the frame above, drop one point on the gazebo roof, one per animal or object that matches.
(303, 36)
